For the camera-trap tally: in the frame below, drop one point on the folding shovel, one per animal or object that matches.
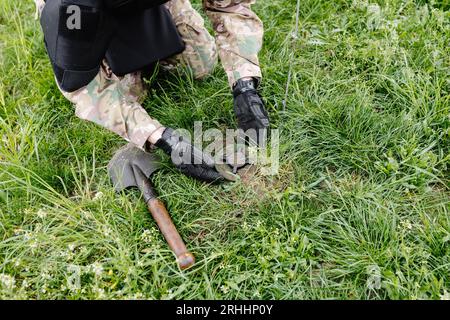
(131, 167)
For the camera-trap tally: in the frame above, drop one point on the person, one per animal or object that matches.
(114, 101)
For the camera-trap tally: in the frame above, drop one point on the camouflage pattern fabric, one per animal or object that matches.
(114, 102)
(200, 55)
(239, 36)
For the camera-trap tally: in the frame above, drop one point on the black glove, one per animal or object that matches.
(188, 159)
(249, 107)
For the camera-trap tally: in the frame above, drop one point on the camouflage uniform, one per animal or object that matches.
(239, 35)
(238, 32)
(114, 102)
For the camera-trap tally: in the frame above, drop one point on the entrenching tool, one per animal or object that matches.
(131, 167)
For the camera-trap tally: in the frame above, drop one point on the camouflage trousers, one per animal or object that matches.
(114, 102)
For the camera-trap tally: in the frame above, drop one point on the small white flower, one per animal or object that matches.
(34, 244)
(7, 281)
(406, 224)
(100, 292)
(98, 196)
(27, 236)
(138, 296)
(147, 236)
(168, 295)
(224, 289)
(87, 214)
(46, 276)
(41, 213)
(107, 232)
(72, 247)
(97, 269)
(18, 231)
(445, 296)
(276, 277)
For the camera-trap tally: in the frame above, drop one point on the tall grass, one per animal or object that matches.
(360, 209)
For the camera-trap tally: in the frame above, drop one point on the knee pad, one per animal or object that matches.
(79, 34)
(76, 35)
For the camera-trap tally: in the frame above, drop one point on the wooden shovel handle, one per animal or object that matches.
(159, 212)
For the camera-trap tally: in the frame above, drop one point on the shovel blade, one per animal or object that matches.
(126, 162)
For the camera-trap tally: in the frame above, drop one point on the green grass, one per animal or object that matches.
(360, 209)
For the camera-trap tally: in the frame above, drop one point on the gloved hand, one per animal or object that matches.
(187, 158)
(248, 106)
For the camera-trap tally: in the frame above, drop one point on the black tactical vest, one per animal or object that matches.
(130, 34)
